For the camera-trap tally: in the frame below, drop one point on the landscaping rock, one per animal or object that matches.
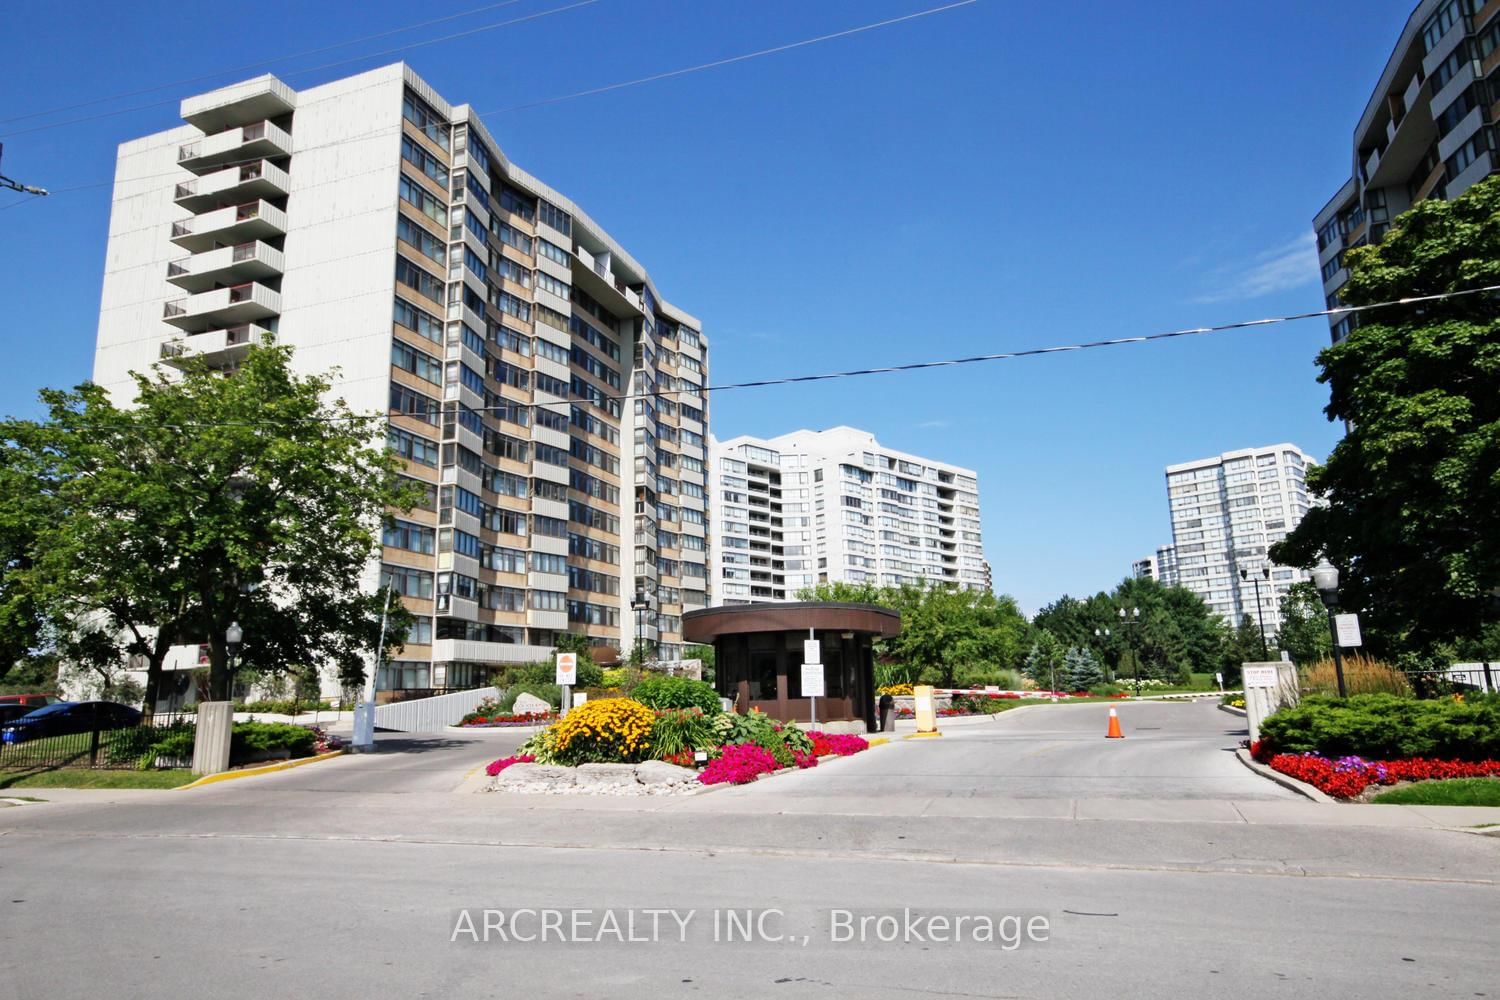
(655, 773)
(530, 704)
(535, 778)
(606, 776)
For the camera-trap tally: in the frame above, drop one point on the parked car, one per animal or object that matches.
(34, 700)
(10, 711)
(69, 717)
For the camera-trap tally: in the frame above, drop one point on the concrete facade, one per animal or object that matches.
(828, 506)
(536, 383)
(1427, 131)
(1227, 511)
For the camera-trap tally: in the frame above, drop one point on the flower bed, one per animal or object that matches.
(1348, 777)
(495, 767)
(508, 719)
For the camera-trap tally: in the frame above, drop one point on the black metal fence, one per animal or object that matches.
(95, 741)
(1455, 680)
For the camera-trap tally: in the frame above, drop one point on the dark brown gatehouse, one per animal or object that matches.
(758, 656)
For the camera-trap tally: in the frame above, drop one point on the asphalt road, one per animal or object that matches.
(1171, 751)
(349, 878)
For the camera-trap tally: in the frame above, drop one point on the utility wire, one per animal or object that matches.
(254, 65)
(340, 62)
(892, 369)
(566, 97)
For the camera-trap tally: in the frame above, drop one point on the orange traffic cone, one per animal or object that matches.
(1114, 727)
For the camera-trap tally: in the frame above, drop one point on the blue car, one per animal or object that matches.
(69, 717)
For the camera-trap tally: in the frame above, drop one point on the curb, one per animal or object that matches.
(1284, 780)
(286, 765)
(1233, 711)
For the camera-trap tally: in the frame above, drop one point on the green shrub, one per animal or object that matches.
(1106, 690)
(679, 729)
(250, 737)
(177, 741)
(1387, 727)
(677, 692)
(526, 675)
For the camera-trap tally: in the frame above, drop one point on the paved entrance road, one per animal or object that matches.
(1171, 750)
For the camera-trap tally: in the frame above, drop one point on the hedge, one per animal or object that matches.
(1387, 727)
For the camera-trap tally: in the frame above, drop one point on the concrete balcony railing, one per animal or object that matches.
(226, 266)
(220, 348)
(222, 307)
(235, 145)
(235, 185)
(239, 104)
(253, 220)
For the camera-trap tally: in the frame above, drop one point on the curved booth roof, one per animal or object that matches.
(708, 624)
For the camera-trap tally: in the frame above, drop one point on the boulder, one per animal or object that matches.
(600, 776)
(659, 772)
(535, 778)
(530, 704)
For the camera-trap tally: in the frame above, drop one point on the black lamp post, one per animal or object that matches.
(1101, 636)
(234, 636)
(1132, 617)
(1326, 578)
(640, 606)
(1265, 574)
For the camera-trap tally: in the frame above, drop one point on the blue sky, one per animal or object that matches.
(996, 177)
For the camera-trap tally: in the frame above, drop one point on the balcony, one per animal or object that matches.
(254, 220)
(220, 348)
(239, 104)
(222, 307)
(233, 185)
(251, 142)
(234, 265)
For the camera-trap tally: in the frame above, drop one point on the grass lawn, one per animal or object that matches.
(78, 777)
(1452, 792)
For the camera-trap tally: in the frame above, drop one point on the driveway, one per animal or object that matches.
(1171, 751)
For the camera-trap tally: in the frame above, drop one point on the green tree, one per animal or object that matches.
(1045, 659)
(1081, 669)
(572, 642)
(1408, 486)
(949, 637)
(1240, 645)
(212, 500)
(28, 504)
(704, 653)
(1304, 625)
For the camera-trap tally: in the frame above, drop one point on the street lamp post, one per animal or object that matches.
(1101, 636)
(234, 636)
(1132, 617)
(1326, 578)
(640, 606)
(1265, 574)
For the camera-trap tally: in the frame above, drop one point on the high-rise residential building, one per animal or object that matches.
(836, 506)
(1166, 565)
(371, 225)
(1226, 512)
(1145, 568)
(1427, 131)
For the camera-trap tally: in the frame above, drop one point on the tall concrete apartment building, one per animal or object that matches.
(1226, 512)
(371, 225)
(828, 506)
(1427, 131)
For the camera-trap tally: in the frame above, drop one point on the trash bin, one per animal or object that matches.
(887, 714)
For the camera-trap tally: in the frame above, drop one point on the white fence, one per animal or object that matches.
(431, 715)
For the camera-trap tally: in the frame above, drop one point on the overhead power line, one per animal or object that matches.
(254, 65)
(607, 88)
(896, 369)
(341, 62)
